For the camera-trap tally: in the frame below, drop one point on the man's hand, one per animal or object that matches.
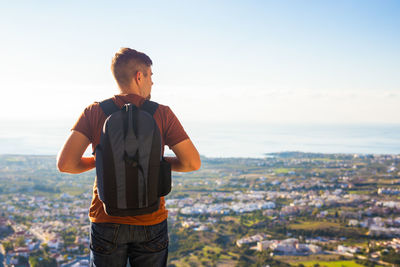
(70, 158)
(187, 158)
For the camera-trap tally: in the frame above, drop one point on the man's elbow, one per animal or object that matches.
(61, 166)
(195, 165)
(64, 166)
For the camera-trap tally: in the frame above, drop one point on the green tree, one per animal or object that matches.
(20, 241)
(315, 212)
(8, 246)
(46, 247)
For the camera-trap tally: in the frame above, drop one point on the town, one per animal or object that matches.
(286, 209)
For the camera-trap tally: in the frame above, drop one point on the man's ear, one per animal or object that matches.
(138, 76)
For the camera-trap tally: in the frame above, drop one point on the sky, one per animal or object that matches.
(213, 61)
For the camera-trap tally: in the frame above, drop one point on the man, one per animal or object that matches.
(142, 239)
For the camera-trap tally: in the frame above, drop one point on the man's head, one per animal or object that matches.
(132, 71)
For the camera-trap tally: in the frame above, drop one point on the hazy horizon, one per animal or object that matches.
(225, 139)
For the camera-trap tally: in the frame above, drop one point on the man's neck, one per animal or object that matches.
(129, 90)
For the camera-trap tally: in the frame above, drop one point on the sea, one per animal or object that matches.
(223, 139)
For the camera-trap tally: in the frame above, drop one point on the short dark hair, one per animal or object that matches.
(126, 63)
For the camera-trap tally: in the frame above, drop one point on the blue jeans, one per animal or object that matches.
(112, 244)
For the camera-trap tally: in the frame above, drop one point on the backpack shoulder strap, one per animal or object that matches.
(149, 106)
(108, 106)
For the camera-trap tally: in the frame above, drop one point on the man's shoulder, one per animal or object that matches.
(94, 107)
(164, 110)
(163, 107)
(165, 116)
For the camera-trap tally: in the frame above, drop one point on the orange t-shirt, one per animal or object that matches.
(90, 123)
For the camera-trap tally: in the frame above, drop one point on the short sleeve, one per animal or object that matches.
(174, 132)
(82, 125)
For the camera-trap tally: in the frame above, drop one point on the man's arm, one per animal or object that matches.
(187, 158)
(70, 158)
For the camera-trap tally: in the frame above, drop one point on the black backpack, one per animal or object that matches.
(131, 172)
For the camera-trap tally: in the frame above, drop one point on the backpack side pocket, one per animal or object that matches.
(164, 184)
